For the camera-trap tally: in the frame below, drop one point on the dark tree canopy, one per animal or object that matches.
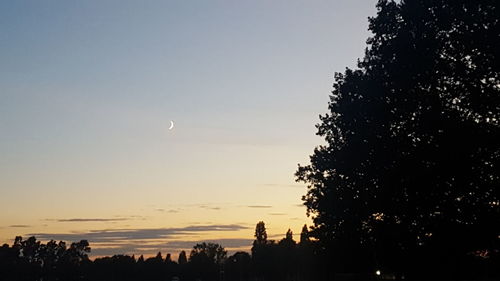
(168, 258)
(304, 235)
(260, 233)
(288, 240)
(412, 155)
(182, 258)
(214, 252)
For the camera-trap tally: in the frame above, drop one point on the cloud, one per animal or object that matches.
(174, 247)
(19, 225)
(259, 206)
(90, 220)
(280, 235)
(168, 210)
(149, 241)
(225, 242)
(108, 235)
(277, 214)
(210, 208)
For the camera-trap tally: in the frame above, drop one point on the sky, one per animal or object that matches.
(88, 90)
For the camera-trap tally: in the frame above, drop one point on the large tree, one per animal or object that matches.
(214, 252)
(411, 163)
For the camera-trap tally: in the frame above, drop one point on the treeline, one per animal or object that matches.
(285, 259)
(269, 260)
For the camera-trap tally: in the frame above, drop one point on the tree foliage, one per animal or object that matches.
(260, 233)
(214, 252)
(412, 155)
(182, 258)
(304, 235)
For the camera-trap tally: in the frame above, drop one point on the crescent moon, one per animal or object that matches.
(171, 125)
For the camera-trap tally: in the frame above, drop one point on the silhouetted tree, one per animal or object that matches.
(213, 251)
(32, 260)
(206, 260)
(73, 260)
(159, 257)
(307, 260)
(409, 177)
(117, 267)
(182, 258)
(260, 251)
(238, 267)
(78, 251)
(260, 233)
(304, 236)
(171, 267)
(168, 258)
(287, 262)
(288, 241)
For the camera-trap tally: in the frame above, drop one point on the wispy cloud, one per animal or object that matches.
(210, 207)
(259, 206)
(175, 246)
(226, 242)
(19, 225)
(131, 234)
(280, 235)
(90, 220)
(167, 210)
(148, 240)
(277, 214)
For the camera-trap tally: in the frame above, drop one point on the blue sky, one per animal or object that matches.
(88, 89)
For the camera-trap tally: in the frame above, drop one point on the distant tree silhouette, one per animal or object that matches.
(260, 233)
(287, 257)
(32, 260)
(304, 235)
(182, 258)
(288, 241)
(154, 268)
(261, 252)
(159, 257)
(238, 267)
(206, 260)
(117, 267)
(168, 258)
(78, 251)
(171, 267)
(307, 260)
(213, 251)
(409, 178)
(183, 267)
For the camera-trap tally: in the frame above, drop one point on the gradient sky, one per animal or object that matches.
(87, 92)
